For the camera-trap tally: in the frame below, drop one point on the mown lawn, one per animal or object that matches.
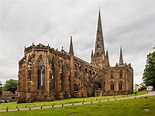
(72, 100)
(131, 107)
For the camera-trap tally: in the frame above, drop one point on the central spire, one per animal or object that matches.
(99, 45)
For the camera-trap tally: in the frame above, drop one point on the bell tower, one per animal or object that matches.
(99, 58)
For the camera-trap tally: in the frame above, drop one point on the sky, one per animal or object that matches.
(126, 23)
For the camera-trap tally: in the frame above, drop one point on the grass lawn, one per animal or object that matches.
(72, 100)
(131, 107)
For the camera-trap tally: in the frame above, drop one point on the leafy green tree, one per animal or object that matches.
(149, 71)
(0, 88)
(11, 85)
(142, 88)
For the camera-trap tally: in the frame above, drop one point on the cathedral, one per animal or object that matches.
(46, 74)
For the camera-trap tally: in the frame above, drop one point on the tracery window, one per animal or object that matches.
(41, 74)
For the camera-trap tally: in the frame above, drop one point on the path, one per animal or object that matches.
(152, 93)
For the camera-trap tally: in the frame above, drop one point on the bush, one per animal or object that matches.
(142, 88)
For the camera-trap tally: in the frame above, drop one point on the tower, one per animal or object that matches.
(99, 58)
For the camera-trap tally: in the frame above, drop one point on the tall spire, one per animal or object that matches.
(71, 46)
(121, 57)
(99, 45)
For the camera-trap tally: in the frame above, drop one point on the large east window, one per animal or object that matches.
(41, 74)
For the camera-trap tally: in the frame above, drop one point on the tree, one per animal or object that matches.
(149, 71)
(143, 87)
(11, 85)
(0, 88)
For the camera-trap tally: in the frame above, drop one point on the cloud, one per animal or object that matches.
(129, 24)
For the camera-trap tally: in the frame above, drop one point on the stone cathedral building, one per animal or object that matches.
(49, 74)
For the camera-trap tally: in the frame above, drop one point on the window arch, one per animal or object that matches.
(75, 87)
(86, 70)
(120, 85)
(112, 86)
(120, 73)
(111, 74)
(80, 67)
(41, 74)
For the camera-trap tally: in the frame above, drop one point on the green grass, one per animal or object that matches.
(131, 107)
(72, 100)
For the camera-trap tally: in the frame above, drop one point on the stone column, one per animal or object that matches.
(66, 84)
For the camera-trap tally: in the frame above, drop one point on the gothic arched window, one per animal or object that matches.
(41, 74)
(120, 73)
(111, 74)
(111, 86)
(120, 86)
(75, 87)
